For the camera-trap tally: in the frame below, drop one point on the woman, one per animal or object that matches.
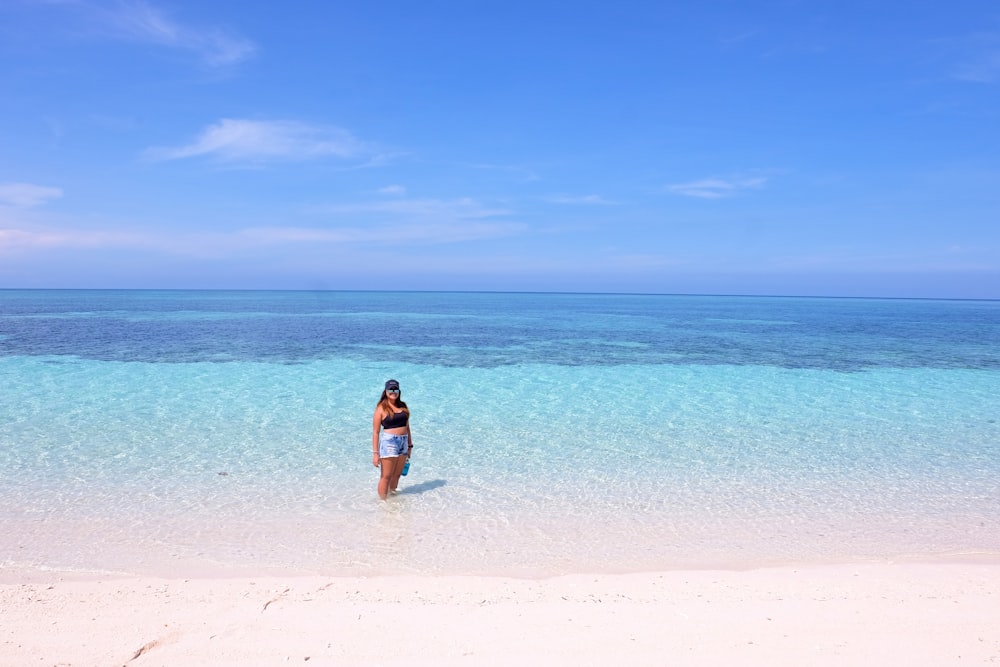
(392, 446)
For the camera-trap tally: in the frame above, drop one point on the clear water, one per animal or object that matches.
(189, 432)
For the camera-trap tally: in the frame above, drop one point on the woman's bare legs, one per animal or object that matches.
(397, 473)
(392, 468)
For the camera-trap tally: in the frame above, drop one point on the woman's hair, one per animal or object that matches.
(383, 402)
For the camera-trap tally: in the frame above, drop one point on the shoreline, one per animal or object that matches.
(940, 612)
(16, 574)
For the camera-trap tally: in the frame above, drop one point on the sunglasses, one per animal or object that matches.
(392, 391)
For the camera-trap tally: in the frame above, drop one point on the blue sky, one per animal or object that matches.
(814, 148)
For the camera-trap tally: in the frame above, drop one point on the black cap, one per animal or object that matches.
(391, 384)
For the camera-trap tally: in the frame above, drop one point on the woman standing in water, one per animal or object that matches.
(390, 447)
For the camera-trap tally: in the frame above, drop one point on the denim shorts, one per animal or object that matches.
(391, 446)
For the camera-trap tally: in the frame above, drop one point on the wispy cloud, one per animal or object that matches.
(389, 223)
(221, 244)
(970, 58)
(391, 235)
(738, 36)
(584, 200)
(405, 221)
(417, 210)
(394, 190)
(523, 173)
(26, 195)
(21, 239)
(983, 66)
(255, 141)
(140, 21)
(716, 188)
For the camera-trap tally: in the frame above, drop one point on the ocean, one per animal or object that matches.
(181, 433)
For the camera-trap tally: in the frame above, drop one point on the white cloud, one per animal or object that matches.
(26, 195)
(236, 140)
(140, 21)
(716, 188)
(395, 190)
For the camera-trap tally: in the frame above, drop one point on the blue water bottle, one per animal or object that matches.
(406, 467)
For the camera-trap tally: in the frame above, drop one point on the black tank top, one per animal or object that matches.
(395, 420)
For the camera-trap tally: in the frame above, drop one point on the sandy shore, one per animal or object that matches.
(912, 614)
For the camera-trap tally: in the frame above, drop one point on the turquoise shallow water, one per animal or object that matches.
(187, 432)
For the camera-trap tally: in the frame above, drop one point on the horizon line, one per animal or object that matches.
(522, 292)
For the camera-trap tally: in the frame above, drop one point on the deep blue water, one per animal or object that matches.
(488, 330)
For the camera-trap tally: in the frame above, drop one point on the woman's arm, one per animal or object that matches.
(376, 423)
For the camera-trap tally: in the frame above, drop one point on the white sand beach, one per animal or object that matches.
(938, 613)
